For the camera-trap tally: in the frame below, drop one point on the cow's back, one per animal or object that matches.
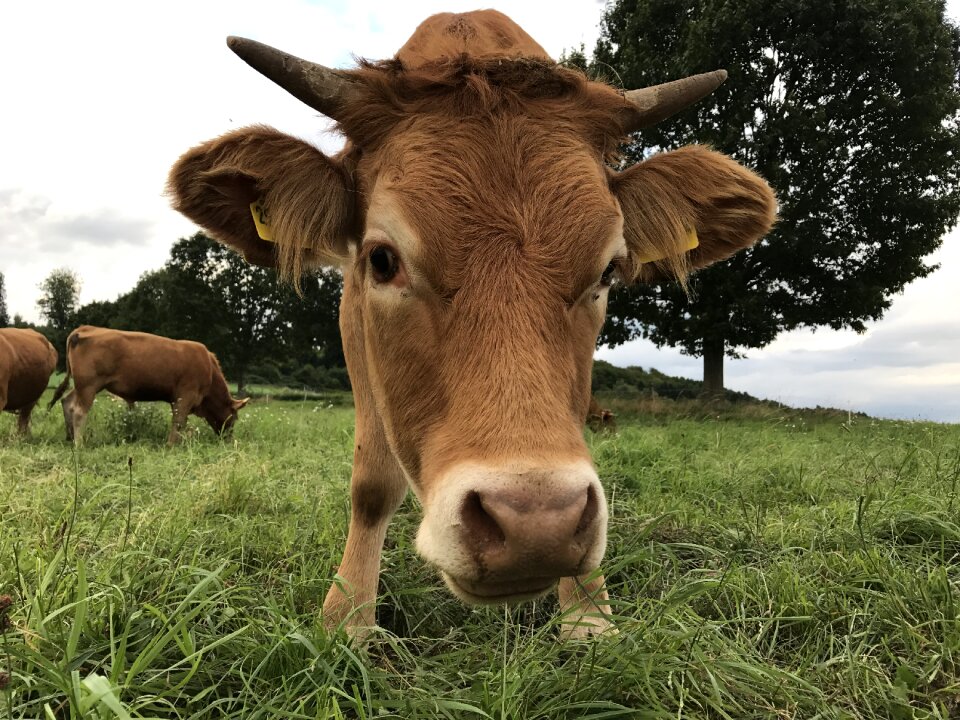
(26, 361)
(137, 366)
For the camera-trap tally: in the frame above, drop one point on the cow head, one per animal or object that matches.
(479, 228)
(221, 416)
(230, 414)
(219, 408)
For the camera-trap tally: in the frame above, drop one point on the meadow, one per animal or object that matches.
(765, 563)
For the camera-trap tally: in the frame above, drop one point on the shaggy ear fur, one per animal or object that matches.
(667, 196)
(306, 196)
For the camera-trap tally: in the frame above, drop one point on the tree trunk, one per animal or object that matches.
(713, 350)
(241, 381)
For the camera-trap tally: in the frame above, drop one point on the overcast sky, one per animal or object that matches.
(101, 97)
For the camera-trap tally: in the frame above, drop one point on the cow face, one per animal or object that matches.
(221, 413)
(233, 412)
(479, 229)
(483, 285)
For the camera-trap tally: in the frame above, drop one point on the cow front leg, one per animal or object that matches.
(585, 606)
(181, 410)
(376, 491)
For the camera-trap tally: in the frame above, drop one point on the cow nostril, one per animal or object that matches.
(479, 524)
(589, 513)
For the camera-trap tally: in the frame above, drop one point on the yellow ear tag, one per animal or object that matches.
(261, 220)
(690, 242)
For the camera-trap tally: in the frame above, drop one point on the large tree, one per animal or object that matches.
(245, 314)
(166, 302)
(100, 313)
(4, 314)
(219, 299)
(59, 296)
(849, 108)
(313, 318)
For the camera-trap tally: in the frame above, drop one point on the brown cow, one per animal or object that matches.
(139, 367)
(599, 418)
(478, 225)
(27, 360)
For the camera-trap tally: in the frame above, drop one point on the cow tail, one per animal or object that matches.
(58, 393)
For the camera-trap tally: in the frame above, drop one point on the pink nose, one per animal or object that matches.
(526, 530)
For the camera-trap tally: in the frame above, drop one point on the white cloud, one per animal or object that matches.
(33, 225)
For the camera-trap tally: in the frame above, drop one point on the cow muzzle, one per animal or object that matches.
(506, 536)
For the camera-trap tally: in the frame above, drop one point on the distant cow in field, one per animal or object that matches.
(479, 224)
(27, 359)
(140, 367)
(599, 418)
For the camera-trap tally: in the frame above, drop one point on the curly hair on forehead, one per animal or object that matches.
(388, 93)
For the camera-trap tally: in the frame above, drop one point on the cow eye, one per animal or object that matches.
(384, 263)
(606, 280)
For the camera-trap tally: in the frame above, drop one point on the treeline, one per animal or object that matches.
(261, 330)
(635, 382)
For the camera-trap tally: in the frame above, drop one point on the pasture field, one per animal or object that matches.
(764, 563)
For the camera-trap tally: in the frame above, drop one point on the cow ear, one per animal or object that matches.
(277, 200)
(689, 208)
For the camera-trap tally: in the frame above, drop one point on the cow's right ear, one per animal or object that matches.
(301, 198)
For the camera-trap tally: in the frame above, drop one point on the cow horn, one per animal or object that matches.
(319, 87)
(658, 102)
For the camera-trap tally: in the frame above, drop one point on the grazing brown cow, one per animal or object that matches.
(140, 367)
(599, 418)
(26, 361)
(478, 225)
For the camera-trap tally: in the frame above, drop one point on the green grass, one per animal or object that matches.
(763, 565)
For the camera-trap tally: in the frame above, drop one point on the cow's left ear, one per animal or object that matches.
(276, 199)
(689, 208)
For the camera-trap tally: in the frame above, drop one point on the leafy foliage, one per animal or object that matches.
(255, 325)
(848, 109)
(4, 314)
(633, 382)
(60, 293)
(59, 296)
(224, 302)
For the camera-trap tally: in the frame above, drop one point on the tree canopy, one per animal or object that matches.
(257, 326)
(4, 313)
(59, 297)
(849, 109)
